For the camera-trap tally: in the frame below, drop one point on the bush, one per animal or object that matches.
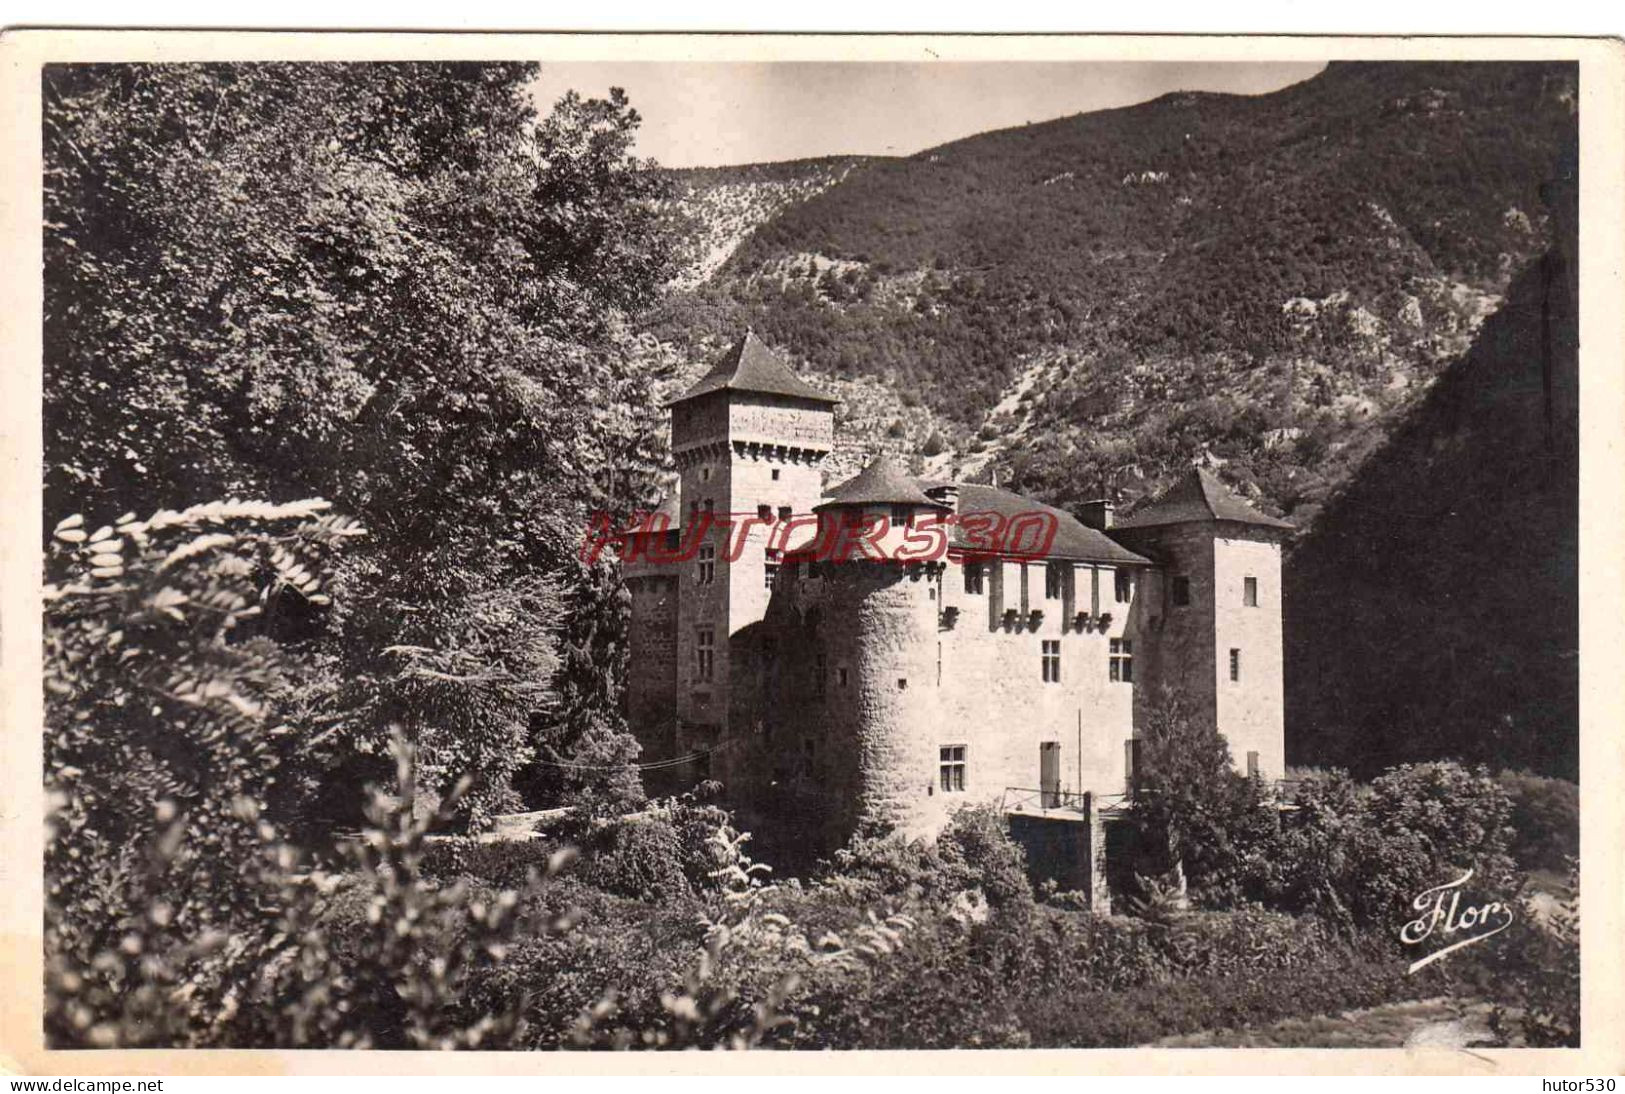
(506, 864)
(1358, 855)
(640, 858)
(977, 851)
(1545, 819)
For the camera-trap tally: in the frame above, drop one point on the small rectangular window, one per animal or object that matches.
(764, 512)
(951, 767)
(973, 578)
(1235, 664)
(784, 512)
(1054, 580)
(1051, 661)
(1182, 591)
(707, 572)
(841, 677)
(1249, 592)
(704, 653)
(900, 515)
(776, 474)
(705, 474)
(1124, 592)
(820, 674)
(1120, 669)
(770, 574)
(1252, 765)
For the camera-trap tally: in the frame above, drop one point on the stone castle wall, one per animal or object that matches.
(1250, 711)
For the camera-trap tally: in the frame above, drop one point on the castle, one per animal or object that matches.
(871, 686)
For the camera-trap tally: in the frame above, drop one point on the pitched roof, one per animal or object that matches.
(1073, 539)
(1198, 495)
(751, 366)
(885, 481)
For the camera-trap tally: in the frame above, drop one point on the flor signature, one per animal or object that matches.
(1443, 912)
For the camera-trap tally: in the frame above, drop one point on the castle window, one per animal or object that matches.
(707, 572)
(840, 676)
(1120, 668)
(775, 474)
(1054, 580)
(900, 515)
(1125, 585)
(1182, 591)
(951, 768)
(1051, 659)
(704, 653)
(1235, 664)
(973, 578)
(784, 512)
(764, 512)
(770, 574)
(1252, 765)
(705, 474)
(1249, 592)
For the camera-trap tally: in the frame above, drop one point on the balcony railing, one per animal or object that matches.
(1021, 799)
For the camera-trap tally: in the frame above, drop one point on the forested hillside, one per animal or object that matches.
(1264, 282)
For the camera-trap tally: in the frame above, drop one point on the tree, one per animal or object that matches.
(385, 284)
(1191, 802)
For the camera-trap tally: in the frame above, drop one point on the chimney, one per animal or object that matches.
(1097, 514)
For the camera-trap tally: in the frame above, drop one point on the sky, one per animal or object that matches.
(711, 114)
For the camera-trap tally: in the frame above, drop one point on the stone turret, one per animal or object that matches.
(1216, 615)
(748, 439)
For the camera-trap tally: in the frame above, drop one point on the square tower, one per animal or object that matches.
(748, 440)
(1215, 623)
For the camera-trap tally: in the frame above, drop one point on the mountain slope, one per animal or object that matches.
(1434, 608)
(1263, 283)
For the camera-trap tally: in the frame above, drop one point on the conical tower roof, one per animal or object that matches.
(1198, 495)
(750, 366)
(885, 481)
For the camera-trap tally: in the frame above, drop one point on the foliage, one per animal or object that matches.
(1358, 855)
(1536, 972)
(1545, 819)
(1191, 806)
(973, 852)
(504, 863)
(638, 857)
(162, 730)
(392, 286)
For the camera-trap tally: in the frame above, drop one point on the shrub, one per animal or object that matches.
(1358, 855)
(1545, 819)
(977, 851)
(1193, 803)
(641, 858)
(507, 864)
